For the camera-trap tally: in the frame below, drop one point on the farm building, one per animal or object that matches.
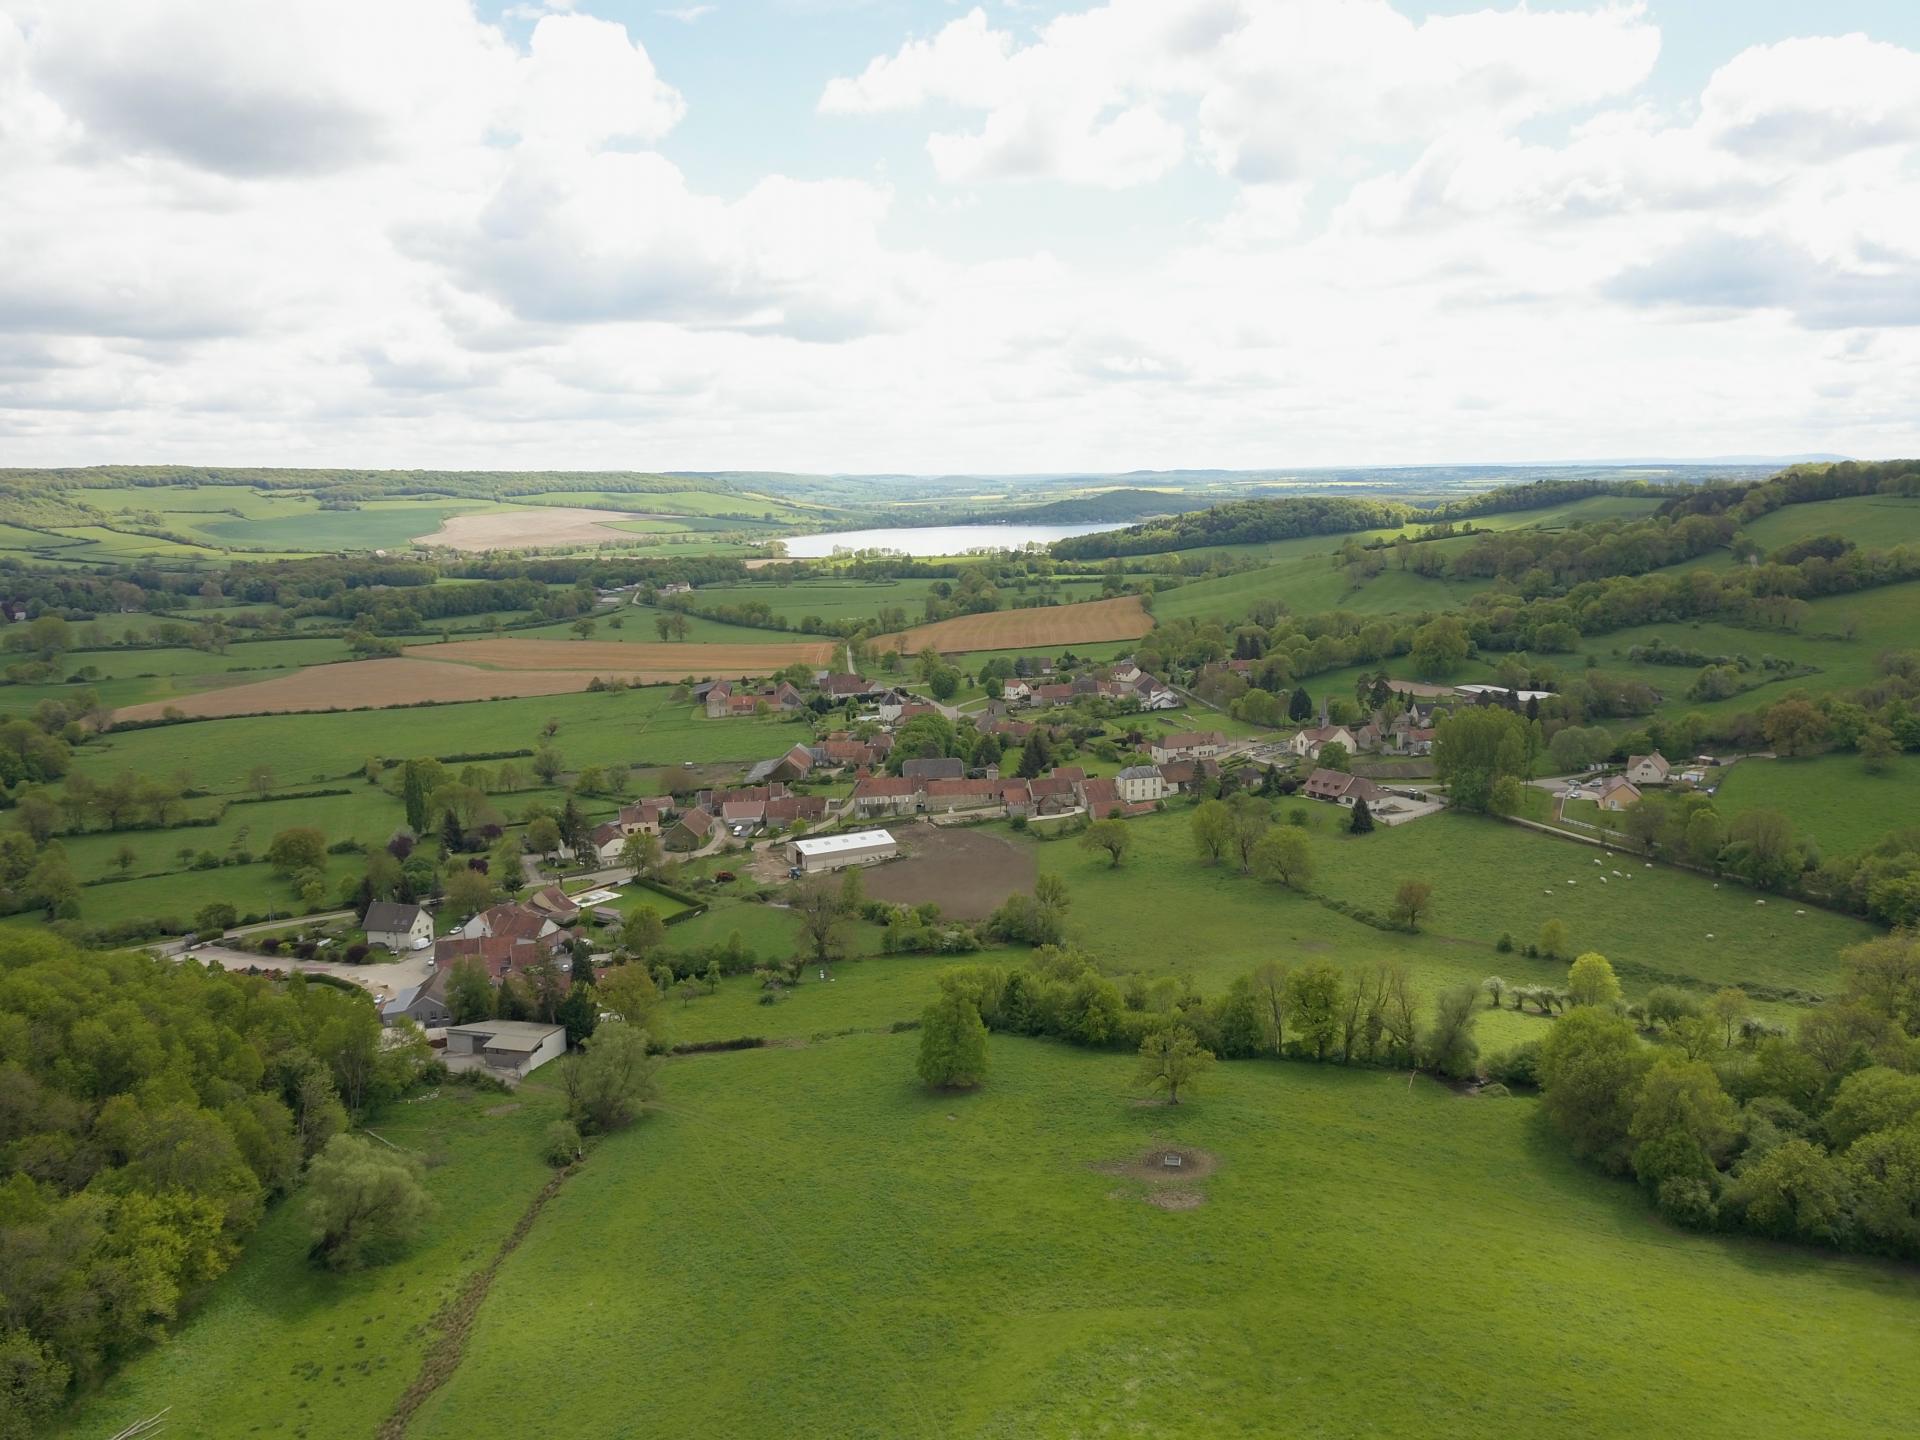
(517, 1047)
(833, 852)
(398, 927)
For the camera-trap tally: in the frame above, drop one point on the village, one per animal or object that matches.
(1054, 752)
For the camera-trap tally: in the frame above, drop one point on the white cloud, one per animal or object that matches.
(1277, 86)
(385, 231)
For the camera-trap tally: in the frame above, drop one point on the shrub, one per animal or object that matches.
(1504, 944)
(356, 953)
(561, 1143)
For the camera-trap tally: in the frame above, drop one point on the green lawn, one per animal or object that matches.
(803, 1242)
(1832, 798)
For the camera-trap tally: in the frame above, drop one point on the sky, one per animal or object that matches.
(907, 236)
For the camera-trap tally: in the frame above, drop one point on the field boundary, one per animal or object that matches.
(456, 1317)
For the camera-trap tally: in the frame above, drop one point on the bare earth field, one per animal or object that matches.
(529, 528)
(967, 873)
(609, 657)
(1120, 618)
(359, 683)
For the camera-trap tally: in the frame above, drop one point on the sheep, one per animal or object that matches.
(1759, 902)
(1799, 912)
(1603, 879)
(1709, 935)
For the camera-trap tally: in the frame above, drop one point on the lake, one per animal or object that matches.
(935, 539)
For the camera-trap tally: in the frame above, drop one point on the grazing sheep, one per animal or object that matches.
(1616, 874)
(1603, 879)
(1596, 862)
(1573, 882)
(1759, 902)
(1709, 935)
(1799, 912)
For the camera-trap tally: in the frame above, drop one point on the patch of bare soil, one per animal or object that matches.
(967, 873)
(1120, 618)
(1153, 1167)
(362, 684)
(1176, 1199)
(529, 527)
(642, 658)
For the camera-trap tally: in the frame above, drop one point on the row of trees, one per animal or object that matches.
(1314, 1011)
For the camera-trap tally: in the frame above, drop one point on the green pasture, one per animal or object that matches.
(1307, 582)
(1164, 912)
(805, 1242)
(642, 728)
(637, 628)
(1833, 798)
(1873, 522)
(1491, 877)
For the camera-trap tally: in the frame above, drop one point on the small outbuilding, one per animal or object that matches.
(509, 1047)
(835, 852)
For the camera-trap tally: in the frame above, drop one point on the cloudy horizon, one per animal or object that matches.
(891, 237)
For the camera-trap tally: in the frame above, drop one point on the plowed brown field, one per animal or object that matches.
(358, 683)
(529, 528)
(1121, 618)
(609, 657)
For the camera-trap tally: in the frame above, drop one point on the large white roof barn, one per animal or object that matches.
(831, 852)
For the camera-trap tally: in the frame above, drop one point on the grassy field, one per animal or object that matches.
(1163, 912)
(1831, 798)
(802, 1242)
(1872, 522)
(1304, 579)
(640, 727)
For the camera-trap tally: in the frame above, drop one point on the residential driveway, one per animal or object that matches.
(380, 978)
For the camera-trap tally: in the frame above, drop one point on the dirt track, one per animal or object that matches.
(529, 527)
(1121, 618)
(609, 657)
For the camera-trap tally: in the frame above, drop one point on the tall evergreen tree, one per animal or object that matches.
(1300, 706)
(1362, 821)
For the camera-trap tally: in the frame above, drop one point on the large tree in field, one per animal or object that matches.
(816, 905)
(1591, 981)
(1412, 900)
(1110, 838)
(611, 1078)
(1449, 1046)
(364, 1203)
(1285, 856)
(1212, 824)
(1794, 727)
(953, 1043)
(300, 847)
(1172, 1059)
(1474, 748)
